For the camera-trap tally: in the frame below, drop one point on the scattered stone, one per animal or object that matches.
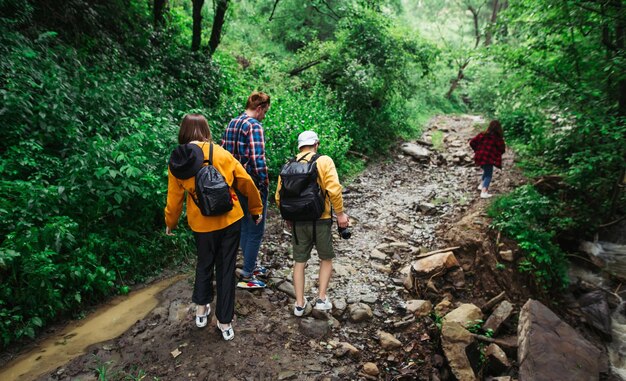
(419, 307)
(507, 255)
(415, 151)
(378, 255)
(360, 312)
(346, 348)
(455, 339)
(369, 299)
(427, 208)
(344, 271)
(388, 341)
(286, 375)
(313, 328)
(550, 349)
(319, 314)
(371, 369)
(443, 307)
(427, 266)
(339, 304)
(287, 288)
(466, 314)
(176, 352)
(500, 315)
(383, 269)
(497, 361)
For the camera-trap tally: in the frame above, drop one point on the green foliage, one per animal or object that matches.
(84, 146)
(370, 67)
(525, 215)
(295, 112)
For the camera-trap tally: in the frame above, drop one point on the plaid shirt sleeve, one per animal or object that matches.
(256, 152)
(245, 140)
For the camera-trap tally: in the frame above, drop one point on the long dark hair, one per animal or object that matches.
(194, 127)
(495, 128)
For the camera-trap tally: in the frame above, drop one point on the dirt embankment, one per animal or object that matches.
(400, 207)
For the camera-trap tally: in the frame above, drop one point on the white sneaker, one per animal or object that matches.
(485, 194)
(227, 332)
(480, 186)
(202, 320)
(299, 311)
(323, 305)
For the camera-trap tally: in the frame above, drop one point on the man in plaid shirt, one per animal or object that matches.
(245, 140)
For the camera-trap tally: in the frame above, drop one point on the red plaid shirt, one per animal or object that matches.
(488, 149)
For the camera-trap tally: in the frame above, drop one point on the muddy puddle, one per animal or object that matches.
(107, 322)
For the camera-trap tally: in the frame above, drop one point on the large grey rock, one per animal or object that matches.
(499, 316)
(415, 151)
(314, 328)
(455, 339)
(549, 349)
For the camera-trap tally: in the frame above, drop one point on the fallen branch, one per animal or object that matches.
(612, 222)
(308, 65)
(493, 301)
(501, 343)
(362, 156)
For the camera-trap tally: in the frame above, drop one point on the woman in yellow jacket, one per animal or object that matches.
(217, 237)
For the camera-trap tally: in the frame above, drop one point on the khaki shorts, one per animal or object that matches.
(323, 240)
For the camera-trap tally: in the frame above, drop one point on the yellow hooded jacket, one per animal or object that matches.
(235, 176)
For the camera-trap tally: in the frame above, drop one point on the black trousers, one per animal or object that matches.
(217, 250)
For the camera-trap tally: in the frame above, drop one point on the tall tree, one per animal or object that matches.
(221, 6)
(158, 10)
(196, 37)
(492, 22)
(475, 11)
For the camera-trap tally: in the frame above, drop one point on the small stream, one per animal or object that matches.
(109, 321)
(614, 257)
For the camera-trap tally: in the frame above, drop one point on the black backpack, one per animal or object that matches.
(212, 195)
(301, 198)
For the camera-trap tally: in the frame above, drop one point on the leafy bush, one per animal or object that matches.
(530, 219)
(84, 147)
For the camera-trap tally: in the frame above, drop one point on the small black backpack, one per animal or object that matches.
(301, 198)
(212, 195)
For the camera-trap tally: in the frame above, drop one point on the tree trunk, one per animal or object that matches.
(455, 82)
(196, 38)
(158, 11)
(218, 22)
(620, 36)
(492, 22)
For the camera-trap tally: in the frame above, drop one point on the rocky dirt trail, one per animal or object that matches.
(384, 326)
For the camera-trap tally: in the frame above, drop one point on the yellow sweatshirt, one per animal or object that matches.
(234, 174)
(327, 178)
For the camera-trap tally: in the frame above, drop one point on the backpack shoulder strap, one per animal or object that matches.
(210, 154)
(314, 158)
(303, 157)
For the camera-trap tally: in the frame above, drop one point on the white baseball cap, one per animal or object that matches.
(307, 138)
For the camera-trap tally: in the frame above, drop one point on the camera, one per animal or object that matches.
(344, 233)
